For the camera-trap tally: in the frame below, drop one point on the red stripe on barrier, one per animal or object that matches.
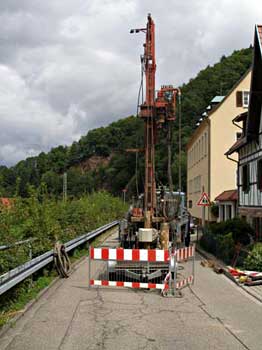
(166, 255)
(135, 285)
(91, 253)
(105, 253)
(152, 285)
(105, 283)
(119, 254)
(151, 255)
(135, 255)
(91, 282)
(119, 284)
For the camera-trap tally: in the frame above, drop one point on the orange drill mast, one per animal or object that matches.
(156, 111)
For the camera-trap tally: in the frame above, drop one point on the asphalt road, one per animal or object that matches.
(215, 314)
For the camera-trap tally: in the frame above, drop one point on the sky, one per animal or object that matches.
(68, 66)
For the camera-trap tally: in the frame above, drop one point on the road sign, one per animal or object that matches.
(204, 201)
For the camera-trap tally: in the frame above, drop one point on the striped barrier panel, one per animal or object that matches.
(179, 285)
(127, 284)
(185, 253)
(185, 282)
(138, 257)
(120, 254)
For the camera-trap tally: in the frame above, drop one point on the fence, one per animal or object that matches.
(142, 268)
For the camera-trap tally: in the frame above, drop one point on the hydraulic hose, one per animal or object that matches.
(61, 259)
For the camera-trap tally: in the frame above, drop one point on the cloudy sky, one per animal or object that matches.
(68, 66)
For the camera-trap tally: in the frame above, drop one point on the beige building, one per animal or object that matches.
(208, 170)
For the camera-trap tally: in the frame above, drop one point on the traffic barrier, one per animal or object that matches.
(185, 253)
(141, 268)
(133, 268)
(120, 254)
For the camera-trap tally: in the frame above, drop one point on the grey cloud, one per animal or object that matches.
(69, 66)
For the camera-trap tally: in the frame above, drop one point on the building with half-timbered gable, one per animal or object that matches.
(249, 146)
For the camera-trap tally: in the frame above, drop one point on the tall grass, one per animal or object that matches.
(49, 220)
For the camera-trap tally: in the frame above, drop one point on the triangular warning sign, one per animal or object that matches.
(204, 200)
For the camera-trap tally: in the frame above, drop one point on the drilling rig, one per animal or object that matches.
(151, 221)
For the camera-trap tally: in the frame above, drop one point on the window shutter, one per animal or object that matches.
(239, 99)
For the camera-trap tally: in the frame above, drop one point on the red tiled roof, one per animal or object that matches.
(230, 195)
(238, 144)
(5, 202)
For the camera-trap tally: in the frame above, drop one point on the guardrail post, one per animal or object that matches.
(89, 265)
(30, 258)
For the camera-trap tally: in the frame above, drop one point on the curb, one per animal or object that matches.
(207, 255)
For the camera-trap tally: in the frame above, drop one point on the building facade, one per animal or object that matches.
(249, 146)
(208, 170)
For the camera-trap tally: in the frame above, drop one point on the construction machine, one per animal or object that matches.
(159, 214)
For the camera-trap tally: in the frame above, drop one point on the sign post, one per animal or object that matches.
(204, 202)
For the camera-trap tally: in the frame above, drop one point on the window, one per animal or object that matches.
(245, 98)
(245, 178)
(190, 204)
(242, 98)
(259, 175)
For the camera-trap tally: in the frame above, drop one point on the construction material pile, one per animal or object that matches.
(248, 278)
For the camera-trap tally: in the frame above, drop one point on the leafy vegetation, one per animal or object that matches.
(116, 168)
(222, 238)
(253, 261)
(49, 220)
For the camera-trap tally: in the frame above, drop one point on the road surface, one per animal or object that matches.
(214, 314)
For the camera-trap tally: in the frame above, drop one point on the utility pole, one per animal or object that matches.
(180, 143)
(65, 186)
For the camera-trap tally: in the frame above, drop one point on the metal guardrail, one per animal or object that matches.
(6, 247)
(13, 277)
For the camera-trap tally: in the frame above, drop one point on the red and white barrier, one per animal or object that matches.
(143, 255)
(120, 254)
(185, 253)
(185, 282)
(164, 287)
(126, 284)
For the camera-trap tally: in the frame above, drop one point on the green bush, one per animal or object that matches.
(225, 248)
(240, 229)
(214, 209)
(222, 246)
(253, 261)
(209, 243)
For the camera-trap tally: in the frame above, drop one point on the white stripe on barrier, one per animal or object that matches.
(112, 283)
(128, 254)
(160, 255)
(143, 254)
(112, 254)
(97, 253)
